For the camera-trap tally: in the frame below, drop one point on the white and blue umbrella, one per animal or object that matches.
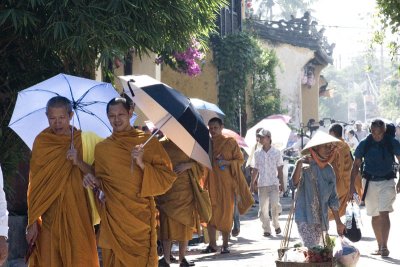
(89, 99)
(207, 110)
(172, 113)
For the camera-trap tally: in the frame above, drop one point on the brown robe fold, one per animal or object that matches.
(342, 164)
(178, 218)
(57, 198)
(127, 228)
(223, 185)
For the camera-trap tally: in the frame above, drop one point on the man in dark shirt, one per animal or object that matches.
(378, 150)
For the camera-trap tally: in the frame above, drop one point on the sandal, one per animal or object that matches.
(208, 249)
(172, 259)
(225, 250)
(185, 263)
(376, 252)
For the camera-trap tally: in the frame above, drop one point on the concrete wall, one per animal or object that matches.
(301, 103)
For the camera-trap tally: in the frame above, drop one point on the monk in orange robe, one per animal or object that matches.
(178, 218)
(60, 231)
(129, 175)
(224, 182)
(342, 163)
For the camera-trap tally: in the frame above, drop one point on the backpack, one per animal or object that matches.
(387, 143)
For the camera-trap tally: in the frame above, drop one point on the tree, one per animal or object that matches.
(239, 57)
(41, 38)
(389, 13)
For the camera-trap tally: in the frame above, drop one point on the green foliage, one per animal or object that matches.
(389, 14)
(40, 39)
(238, 57)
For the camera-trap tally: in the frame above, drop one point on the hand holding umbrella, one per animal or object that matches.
(137, 155)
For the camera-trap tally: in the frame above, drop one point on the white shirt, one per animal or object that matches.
(267, 164)
(353, 142)
(3, 209)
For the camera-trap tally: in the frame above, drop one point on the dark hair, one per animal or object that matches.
(125, 101)
(336, 129)
(217, 120)
(378, 123)
(59, 102)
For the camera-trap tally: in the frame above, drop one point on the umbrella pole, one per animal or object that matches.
(155, 132)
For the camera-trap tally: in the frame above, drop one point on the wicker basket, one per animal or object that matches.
(305, 264)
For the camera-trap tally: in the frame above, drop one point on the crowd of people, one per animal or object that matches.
(145, 196)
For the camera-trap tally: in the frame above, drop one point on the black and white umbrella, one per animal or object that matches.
(172, 113)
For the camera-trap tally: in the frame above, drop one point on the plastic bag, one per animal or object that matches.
(353, 222)
(345, 252)
(294, 255)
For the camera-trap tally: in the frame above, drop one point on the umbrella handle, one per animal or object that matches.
(132, 160)
(72, 137)
(158, 129)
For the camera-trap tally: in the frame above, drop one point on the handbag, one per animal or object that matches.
(202, 199)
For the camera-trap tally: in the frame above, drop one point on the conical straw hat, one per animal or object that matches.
(319, 138)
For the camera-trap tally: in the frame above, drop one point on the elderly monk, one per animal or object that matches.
(224, 182)
(342, 163)
(178, 218)
(130, 175)
(60, 231)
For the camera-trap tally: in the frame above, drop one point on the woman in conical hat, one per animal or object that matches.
(316, 183)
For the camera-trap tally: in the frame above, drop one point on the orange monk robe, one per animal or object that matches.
(178, 218)
(223, 185)
(56, 196)
(342, 163)
(128, 226)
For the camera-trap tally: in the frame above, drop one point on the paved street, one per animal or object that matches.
(251, 248)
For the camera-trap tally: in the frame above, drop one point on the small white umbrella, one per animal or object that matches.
(89, 99)
(279, 133)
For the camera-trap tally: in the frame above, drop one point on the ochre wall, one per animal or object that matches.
(310, 98)
(203, 86)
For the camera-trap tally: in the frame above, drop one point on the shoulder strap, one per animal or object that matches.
(367, 146)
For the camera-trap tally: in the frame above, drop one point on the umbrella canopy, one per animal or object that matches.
(239, 139)
(284, 118)
(172, 113)
(207, 110)
(89, 99)
(279, 133)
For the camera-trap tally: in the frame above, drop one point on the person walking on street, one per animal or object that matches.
(342, 162)
(267, 176)
(359, 132)
(316, 183)
(225, 182)
(178, 215)
(129, 175)
(60, 226)
(378, 150)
